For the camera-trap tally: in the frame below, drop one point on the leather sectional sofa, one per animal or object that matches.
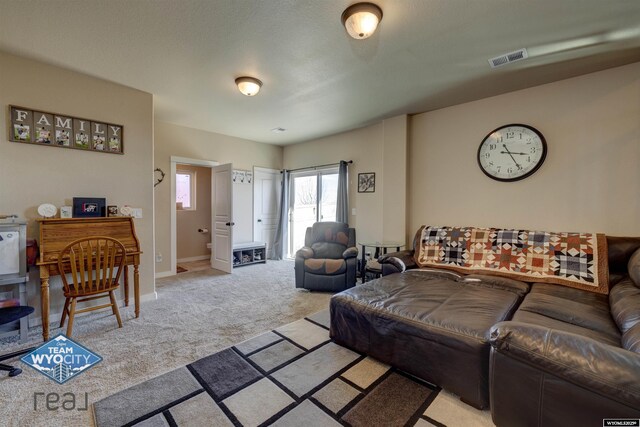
(574, 354)
(536, 353)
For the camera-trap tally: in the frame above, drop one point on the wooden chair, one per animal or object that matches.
(95, 264)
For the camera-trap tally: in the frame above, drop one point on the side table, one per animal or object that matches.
(381, 248)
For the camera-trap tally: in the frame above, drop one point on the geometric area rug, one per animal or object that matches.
(291, 376)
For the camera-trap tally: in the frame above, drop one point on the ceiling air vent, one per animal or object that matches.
(508, 58)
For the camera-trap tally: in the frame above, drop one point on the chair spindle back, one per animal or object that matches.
(95, 264)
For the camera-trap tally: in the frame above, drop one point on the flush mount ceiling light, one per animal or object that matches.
(248, 85)
(361, 19)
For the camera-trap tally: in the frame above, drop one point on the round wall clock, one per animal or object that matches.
(512, 152)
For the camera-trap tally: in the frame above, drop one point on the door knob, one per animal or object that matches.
(259, 220)
(230, 224)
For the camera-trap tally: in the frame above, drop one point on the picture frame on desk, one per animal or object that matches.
(66, 212)
(88, 207)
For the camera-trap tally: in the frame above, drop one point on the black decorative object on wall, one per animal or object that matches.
(42, 128)
(367, 182)
(158, 180)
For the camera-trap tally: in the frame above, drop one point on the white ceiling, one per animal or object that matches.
(426, 54)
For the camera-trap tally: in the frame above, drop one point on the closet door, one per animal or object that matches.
(266, 190)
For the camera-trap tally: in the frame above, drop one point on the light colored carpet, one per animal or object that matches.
(196, 314)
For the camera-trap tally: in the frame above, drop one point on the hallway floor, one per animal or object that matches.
(192, 266)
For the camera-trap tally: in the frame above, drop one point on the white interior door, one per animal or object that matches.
(266, 191)
(222, 218)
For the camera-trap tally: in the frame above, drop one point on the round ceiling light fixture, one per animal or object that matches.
(248, 85)
(361, 19)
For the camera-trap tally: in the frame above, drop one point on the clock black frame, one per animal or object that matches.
(528, 174)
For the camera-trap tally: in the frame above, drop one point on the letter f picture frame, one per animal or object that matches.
(28, 126)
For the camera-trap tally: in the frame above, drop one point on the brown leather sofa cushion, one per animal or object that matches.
(430, 326)
(634, 267)
(488, 281)
(328, 250)
(607, 370)
(620, 250)
(625, 305)
(397, 262)
(330, 232)
(439, 272)
(327, 267)
(570, 310)
(631, 339)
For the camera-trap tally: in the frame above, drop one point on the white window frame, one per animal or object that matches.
(192, 190)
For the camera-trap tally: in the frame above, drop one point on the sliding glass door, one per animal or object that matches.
(328, 201)
(314, 195)
(303, 213)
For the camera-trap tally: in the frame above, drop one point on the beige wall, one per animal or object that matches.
(173, 140)
(363, 146)
(590, 180)
(379, 148)
(31, 174)
(190, 243)
(394, 185)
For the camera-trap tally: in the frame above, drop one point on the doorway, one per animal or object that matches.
(193, 216)
(183, 163)
(314, 196)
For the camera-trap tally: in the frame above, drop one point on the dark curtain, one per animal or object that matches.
(278, 251)
(342, 208)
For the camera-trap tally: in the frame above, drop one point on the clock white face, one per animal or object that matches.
(512, 152)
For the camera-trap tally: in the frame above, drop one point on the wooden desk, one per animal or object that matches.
(57, 233)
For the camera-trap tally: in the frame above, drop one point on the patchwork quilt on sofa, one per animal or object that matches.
(577, 260)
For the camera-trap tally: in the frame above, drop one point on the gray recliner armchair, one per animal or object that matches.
(329, 260)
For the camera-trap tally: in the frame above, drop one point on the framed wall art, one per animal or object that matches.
(88, 207)
(367, 182)
(45, 128)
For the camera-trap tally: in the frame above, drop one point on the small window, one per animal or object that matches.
(185, 190)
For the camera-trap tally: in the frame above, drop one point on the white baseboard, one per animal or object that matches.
(54, 318)
(195, 258)
(164, 274)
(152, 296)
